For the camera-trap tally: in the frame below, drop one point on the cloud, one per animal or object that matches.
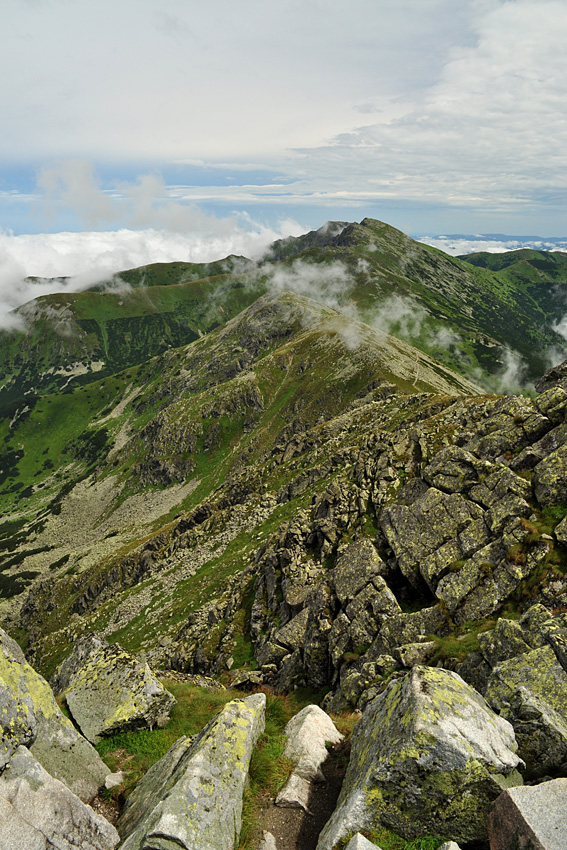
(459, 245)
(75, 261)
(488, 134)
(512, 376)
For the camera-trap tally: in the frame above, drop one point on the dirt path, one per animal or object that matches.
(295, 829)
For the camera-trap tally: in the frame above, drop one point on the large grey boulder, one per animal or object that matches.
(530, 691)
(531, 818)
(108, 690)
(192, 797)
(307, 734)
(41, 813)
(29, 715)
(428, 757)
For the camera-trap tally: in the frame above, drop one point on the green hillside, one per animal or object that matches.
(474, 314)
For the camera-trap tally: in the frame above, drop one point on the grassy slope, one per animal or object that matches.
(485, 306)
(183, 421)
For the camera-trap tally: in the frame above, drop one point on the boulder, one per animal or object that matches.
(534, 623)
(417, 531)
(307, 734)
(355, 568)
(550, 478)
(192, 797)
(359, 842)
(428, 757)
(108, 690)
(505, 640)
(268, 841)
(29, 715)
(41, 812)
(454, 470)
(531, 817)
(530, 691)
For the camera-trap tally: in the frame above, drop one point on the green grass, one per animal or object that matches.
(388, 840)
(136, 752)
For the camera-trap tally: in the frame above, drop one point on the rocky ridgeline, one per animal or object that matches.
(415, 536)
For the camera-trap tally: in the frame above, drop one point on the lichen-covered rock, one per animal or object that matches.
(454, 470)
(41, 812)
(481, 584)
(413, 654)
(355, 568)
(419, 530)
(533, 624)
(550, 478)
(530, 817)
(307, 734)
(428, 756)
(530, 691)
(29, 715)
(192, 797)
(108, 690)
(505, 640)
(86, 646)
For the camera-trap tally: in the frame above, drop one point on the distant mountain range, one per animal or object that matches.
(465, 243)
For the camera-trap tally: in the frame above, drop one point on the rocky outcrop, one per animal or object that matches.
(108, 690)
(530, 817)
(40, 813)
(308, 734)
(530, 690)
(192, 797)
(30, 716)
(428, 757)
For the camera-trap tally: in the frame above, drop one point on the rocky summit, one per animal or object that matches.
(335, 478)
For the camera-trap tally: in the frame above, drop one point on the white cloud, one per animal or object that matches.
(78, 260)
(489, 134)
(458, 245)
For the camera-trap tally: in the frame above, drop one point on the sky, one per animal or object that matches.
(143, 130)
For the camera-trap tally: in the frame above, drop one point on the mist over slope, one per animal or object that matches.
(500, 324)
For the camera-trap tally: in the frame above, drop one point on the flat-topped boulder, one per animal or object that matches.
(108, 690)
(192, 797)
(428, 757)
(30, 716)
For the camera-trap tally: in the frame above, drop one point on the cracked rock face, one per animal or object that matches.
(428, 756)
